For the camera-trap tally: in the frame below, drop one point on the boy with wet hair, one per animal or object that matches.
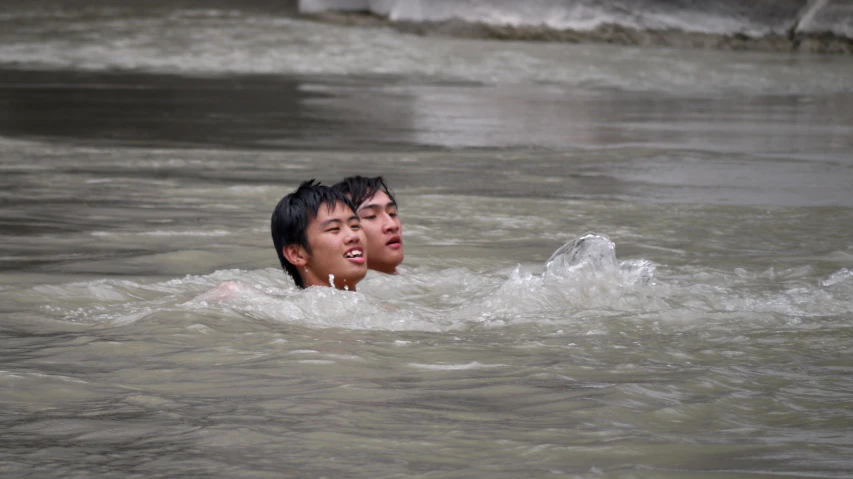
(361, 188)
(377, 209)
(318, 237)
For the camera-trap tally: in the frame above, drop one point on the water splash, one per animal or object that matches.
(806, 16)
(595, 252)
(592, 250)
(840, 276)
(582, 288)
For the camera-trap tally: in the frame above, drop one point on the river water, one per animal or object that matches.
(142, 152)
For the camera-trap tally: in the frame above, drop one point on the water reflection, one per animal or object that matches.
(330, 112)
(158, 109)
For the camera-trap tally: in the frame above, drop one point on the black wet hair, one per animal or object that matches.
(361, 188)
(292, 215)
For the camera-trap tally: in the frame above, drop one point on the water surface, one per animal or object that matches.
(139, 177)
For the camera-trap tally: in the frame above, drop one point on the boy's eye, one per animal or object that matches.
(371, 217)
(333, 230)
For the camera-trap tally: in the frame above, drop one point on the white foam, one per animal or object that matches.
(556, 14)
(455, 367)
(840, 276)
(590, 293)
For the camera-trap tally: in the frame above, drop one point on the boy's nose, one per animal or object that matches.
(352, 236)
(390, 226)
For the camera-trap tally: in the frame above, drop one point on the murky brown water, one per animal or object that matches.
(127, 197)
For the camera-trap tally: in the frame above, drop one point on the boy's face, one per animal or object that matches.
(337, 248)
(384, 232)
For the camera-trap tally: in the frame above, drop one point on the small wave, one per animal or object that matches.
(727, 17)
(252, 44)
(841, 276)
(455, 367)
(23, 375)
(583, 15)
(583, 289)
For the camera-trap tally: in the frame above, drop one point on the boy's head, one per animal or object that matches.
(360, 188)
(377, 208)
(317, 235)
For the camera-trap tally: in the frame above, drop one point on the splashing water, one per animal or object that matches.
(582, 279)
(590, 250)
(595, 253)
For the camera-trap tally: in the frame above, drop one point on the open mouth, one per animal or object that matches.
(394, 243)
(355, 255)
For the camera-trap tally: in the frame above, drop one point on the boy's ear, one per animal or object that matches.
(296, 255)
